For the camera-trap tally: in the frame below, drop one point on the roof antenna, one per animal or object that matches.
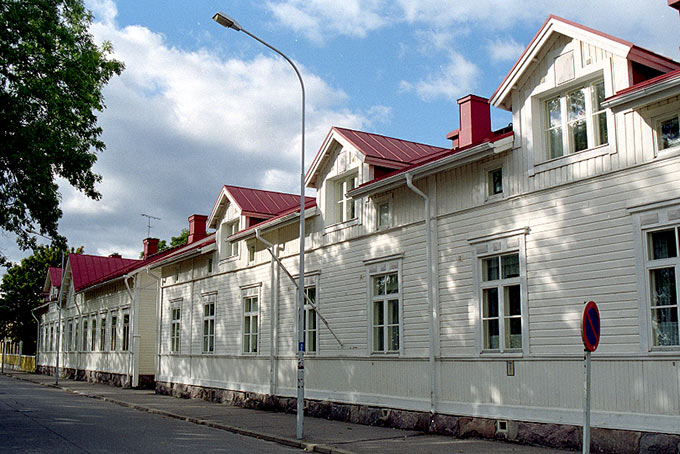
(148, 227)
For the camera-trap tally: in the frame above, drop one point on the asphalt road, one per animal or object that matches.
(35, 418)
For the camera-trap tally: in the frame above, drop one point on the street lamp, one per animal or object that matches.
(228, 22)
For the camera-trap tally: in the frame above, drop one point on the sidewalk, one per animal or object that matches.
(321, 435)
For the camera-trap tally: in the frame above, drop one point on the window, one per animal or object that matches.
(210, 266)
(232, 247)
(250, 324)
(102, 333)
(385, 317)
(663, 268)
(345, 208)
(495, 182)
(69, 336)
(175, 326)
(209, 323)
(310, 321)
(668, 131)
(126, 332)
(251, 253)
(52, 338)
(501, 303)
(84, 334)
(575, 120)
(114, 332)
(93, 337)
(76, 322)
(383, 213)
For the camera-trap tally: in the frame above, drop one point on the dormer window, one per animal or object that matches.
(668, 131)
(575, 120)
(232, 246)
(345, 207)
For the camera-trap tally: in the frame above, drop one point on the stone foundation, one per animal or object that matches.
(603, 441)
(93, 376)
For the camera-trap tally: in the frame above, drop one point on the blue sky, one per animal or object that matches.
(199, 106)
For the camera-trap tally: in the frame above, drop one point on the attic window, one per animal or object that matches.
(345, 207)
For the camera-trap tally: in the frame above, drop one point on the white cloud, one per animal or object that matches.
(318, 19)
(504, 50)
(452, 81)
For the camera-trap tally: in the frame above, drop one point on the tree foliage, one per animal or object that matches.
(51, 80)
(20, 292)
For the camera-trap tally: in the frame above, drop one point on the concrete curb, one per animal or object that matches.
(309, 447)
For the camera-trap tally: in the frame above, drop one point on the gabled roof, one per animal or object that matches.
(252, 202)
(88, 270)
(53, 278)
(555, 24)
(277, 221)
(376, 149)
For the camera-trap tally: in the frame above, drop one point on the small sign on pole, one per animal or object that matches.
(590, 334)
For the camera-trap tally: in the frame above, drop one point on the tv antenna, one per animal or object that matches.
(148, 227)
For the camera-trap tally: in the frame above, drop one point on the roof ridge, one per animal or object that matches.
(387, 137)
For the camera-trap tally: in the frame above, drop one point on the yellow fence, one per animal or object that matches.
(20, 362)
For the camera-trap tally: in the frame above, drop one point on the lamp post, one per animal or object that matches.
(228, 22)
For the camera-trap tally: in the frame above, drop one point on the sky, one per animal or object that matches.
(199, 106)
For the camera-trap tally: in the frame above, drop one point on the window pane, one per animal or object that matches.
(246, 326)
(665, 326)
(513, 333)
(554, 113)
(576, 105)
(392, 284)
(510, 265)
(490, 309)
(379, 285)
(378, 313)
(496, 181)
(254, 344)
(490, 269)
(491, 334)
(598, 96)
(662, 245)
(384, 214)
(393, 338)
(393, 312)
(578, 136)
(669, 132)
(378, 339)
(351, 212)
(601, 136)
(555, 143)
(663, 287)
(513, 301)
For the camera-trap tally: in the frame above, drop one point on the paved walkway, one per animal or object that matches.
(321, 435)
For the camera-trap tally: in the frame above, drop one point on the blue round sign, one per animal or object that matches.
(590, 326)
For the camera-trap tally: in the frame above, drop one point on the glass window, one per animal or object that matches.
(575, 120)
(126, 332)
(345, 207)
(93, 336)
(501, 303)
(232, 247)
(176, 315)
(102, 333)
(663, 266)
(209, 323)
(668, 131)
(495, 181)
(114, 332)
(310, 321)
(386, 313)
(383, 214)
(84, 335)
(250, 324)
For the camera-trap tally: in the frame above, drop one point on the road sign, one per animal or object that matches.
(590, 326)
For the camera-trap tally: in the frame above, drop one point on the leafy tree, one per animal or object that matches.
(51, 79)
(175, 241)
(20, 291)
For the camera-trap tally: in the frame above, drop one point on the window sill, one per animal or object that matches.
(494, 198)
(668, 152)
(572, 158)
(341, 225)
(502, 355)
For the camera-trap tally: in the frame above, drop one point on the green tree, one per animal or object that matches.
(51, 79)
(20, 292)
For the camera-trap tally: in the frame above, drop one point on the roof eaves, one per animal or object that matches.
(647, 91)
(276, 222)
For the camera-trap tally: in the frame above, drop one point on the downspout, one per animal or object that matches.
(159, 313)
(133, 354)
(274, 319)
(80, 322)
(37, 342)
(430, 301)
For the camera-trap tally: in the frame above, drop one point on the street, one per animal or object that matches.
(36, 418)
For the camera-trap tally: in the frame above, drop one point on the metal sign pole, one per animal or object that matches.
(586, 405)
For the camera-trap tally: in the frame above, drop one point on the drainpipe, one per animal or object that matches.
(274, 319)
(37, 341)
(133, 356)
(430, 300)
(159, 313)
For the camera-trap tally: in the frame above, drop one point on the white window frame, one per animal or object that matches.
(85, 344)
(311, 283)
(113, 329)
(175, 326)
(103, 320)
(487, 169)
(93, 334)
(647, 218)
(377, 203)
(69, 345)
(657, 133)
(208, 323)
(252, 250)
(125, 329)
(76, 322)
(340, 186)
(489, 246)
(588, 89)
(250, 340)
(377, 268)
(231, 247)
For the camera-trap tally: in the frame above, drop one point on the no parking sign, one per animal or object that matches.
(590, 326)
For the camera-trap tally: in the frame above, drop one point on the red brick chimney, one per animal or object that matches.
(150, 246)
(115, 255)
(475, 122)
(196, 227)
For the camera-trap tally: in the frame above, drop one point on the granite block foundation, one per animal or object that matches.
(92, 376)
(603, 441)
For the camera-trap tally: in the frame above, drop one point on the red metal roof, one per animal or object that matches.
(310, 202)
(646, 83)
(261, 202)
(88, 270)
(383, 148)
(55, 276)
(179, 250)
